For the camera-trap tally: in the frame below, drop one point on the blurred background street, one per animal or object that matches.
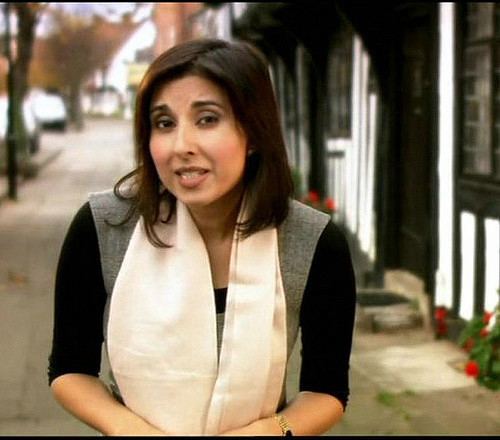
(391, 118)
(402, 381)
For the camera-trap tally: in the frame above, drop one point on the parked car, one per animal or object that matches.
(105, 101)
(50, 110)
(30, 122)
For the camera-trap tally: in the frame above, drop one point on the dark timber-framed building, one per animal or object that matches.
(394, 111)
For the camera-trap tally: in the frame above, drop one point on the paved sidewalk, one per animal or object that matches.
(39, 161)
(408, 383)
(403, 383)
(31, 234)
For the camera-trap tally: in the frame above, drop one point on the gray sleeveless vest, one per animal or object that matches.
(297, 239)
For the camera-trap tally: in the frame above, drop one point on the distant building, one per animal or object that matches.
(126, 70)
(172, 21)
(214, 20)
(168, 25)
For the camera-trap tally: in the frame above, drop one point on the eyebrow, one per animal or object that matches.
(195, 104)
(160, 107)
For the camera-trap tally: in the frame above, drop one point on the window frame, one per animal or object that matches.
(339, 106)
(492, 45)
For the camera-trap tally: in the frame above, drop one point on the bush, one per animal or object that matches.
(481, 339)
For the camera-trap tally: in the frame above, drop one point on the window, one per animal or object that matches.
(340, 84)
(481, 92)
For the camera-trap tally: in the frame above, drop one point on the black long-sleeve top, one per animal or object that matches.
(326, 315)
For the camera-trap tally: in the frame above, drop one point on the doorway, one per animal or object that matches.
(415, 135)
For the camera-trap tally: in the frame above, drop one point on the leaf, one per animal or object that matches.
(490, 383)
(495, 368)
(483, 358)
(495, 331)
(479, 347)
(471, 330)
(386, 398)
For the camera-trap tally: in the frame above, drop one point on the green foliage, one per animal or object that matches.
(386, 398)
(390, 400)
(481, 338)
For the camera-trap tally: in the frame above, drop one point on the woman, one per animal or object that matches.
(198, 269)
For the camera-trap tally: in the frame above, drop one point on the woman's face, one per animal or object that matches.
(198, 148)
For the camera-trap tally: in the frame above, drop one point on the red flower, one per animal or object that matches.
(441, 328)
(484, 332)
(486, 317)
(440, 313)
(472, 369)
(469, 344)
(313, 196)
(330, 204)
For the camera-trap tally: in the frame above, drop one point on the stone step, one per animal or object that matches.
(381, 310)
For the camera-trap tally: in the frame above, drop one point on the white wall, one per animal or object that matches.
(492, 263)
(216, 23)
(468, 263)
(356, 196)
(224, 22)
(142, 38)
(444, 273)
(352, 154)
(303, 116)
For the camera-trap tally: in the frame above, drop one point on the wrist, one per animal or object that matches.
(283, 424)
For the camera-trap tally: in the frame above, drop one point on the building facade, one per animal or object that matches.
(394, 112)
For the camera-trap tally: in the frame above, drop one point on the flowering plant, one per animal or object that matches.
(481, 339)
(313, 199)
(440, 316)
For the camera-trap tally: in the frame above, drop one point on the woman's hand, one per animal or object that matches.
(267, 426)
(88, 399)
(308, 413)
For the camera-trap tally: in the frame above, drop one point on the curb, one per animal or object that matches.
(36, 164)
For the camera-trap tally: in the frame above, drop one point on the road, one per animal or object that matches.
(31, 234)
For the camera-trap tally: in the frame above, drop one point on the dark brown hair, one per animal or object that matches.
(242, 72)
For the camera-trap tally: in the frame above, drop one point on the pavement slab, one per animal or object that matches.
(423, 367)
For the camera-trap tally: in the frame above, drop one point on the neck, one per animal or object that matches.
(216, 223)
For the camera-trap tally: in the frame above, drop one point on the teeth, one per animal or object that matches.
(191, 174)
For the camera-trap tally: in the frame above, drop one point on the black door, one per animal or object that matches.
(415, 142)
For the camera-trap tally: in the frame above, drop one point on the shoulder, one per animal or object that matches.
(306, 227)
(303, 217)
(333, 238)
(297, 208)
(82, 223)
(107, 206)
(332, 250)
(299, 233)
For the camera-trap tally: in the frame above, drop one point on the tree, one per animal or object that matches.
(27, 15)
(76, 48)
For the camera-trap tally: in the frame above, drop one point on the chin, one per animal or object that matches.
(194, 201)
(206, 199)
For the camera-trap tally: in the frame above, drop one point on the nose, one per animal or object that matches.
(184, 141)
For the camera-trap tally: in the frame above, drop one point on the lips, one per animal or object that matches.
(191, 177)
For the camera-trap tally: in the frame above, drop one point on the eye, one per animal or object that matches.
(163, 122)
(209, 119)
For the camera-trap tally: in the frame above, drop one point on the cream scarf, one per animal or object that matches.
(162, 341)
